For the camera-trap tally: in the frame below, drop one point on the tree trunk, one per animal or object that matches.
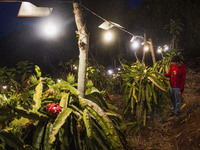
(152, 52)
(143, 56)
(83, 44)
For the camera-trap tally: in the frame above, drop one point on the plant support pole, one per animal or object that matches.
(83, 44)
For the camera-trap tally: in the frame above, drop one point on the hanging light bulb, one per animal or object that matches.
(108, 36)
(135, 44)
(166, 47)
(159, 49)
(146, 48)
(110, 72)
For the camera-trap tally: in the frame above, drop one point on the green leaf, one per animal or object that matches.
(60, 120)
(19, 122)
(154, 96)
(107, 128)
(33, 79)
(102, 119)
(86, 120)
(37, 96)
(64, 137)
(91, 90)
(156, 82)
(145, 117)
(30, 115)
(38, 72)
(132, 105)
(64, 100)
(12, 140)
(100, 142)
(134, 94)
(110, 106)
(38, 134)
(148, 90)
(47, 145)
(110, 113)
(7, 116)
(67, 86)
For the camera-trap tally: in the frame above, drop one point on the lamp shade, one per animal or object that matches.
(29, 10)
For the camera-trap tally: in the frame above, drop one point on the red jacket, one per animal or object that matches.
(177, 76)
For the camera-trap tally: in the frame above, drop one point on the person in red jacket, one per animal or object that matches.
(177, 75)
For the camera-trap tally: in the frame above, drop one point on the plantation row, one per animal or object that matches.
(45, 113)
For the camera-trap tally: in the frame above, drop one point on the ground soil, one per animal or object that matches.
(167, 132)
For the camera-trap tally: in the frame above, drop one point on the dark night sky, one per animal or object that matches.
(13, 29)
(10, 22)
(134, 3)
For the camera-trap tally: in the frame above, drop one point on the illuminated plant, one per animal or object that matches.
(58, 117)
(143, 88)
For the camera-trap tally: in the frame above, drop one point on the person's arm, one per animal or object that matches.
(168, 74)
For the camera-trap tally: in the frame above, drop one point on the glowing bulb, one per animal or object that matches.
(146, 48)
(4, 87)
(75, 67)
(50, 30)
(135, 44)
(166, 47)
(110, 72)
(108, 36)
(159, 49)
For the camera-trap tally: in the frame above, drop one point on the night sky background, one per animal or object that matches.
(22, 39)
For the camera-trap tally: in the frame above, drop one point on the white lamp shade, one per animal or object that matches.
(29, 10)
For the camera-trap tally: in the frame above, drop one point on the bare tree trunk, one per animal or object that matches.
(135, 53)
(83, 44)
(172, 43)
(152, 52)
(143, 56)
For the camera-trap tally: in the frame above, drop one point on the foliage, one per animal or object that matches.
(101, 79)
(15, 79)
(143, 88)
(69, 67)
(96, 75)
(174, 28)
(83, 123)
(164, 64)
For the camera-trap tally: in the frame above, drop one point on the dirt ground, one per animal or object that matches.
(180, 132)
